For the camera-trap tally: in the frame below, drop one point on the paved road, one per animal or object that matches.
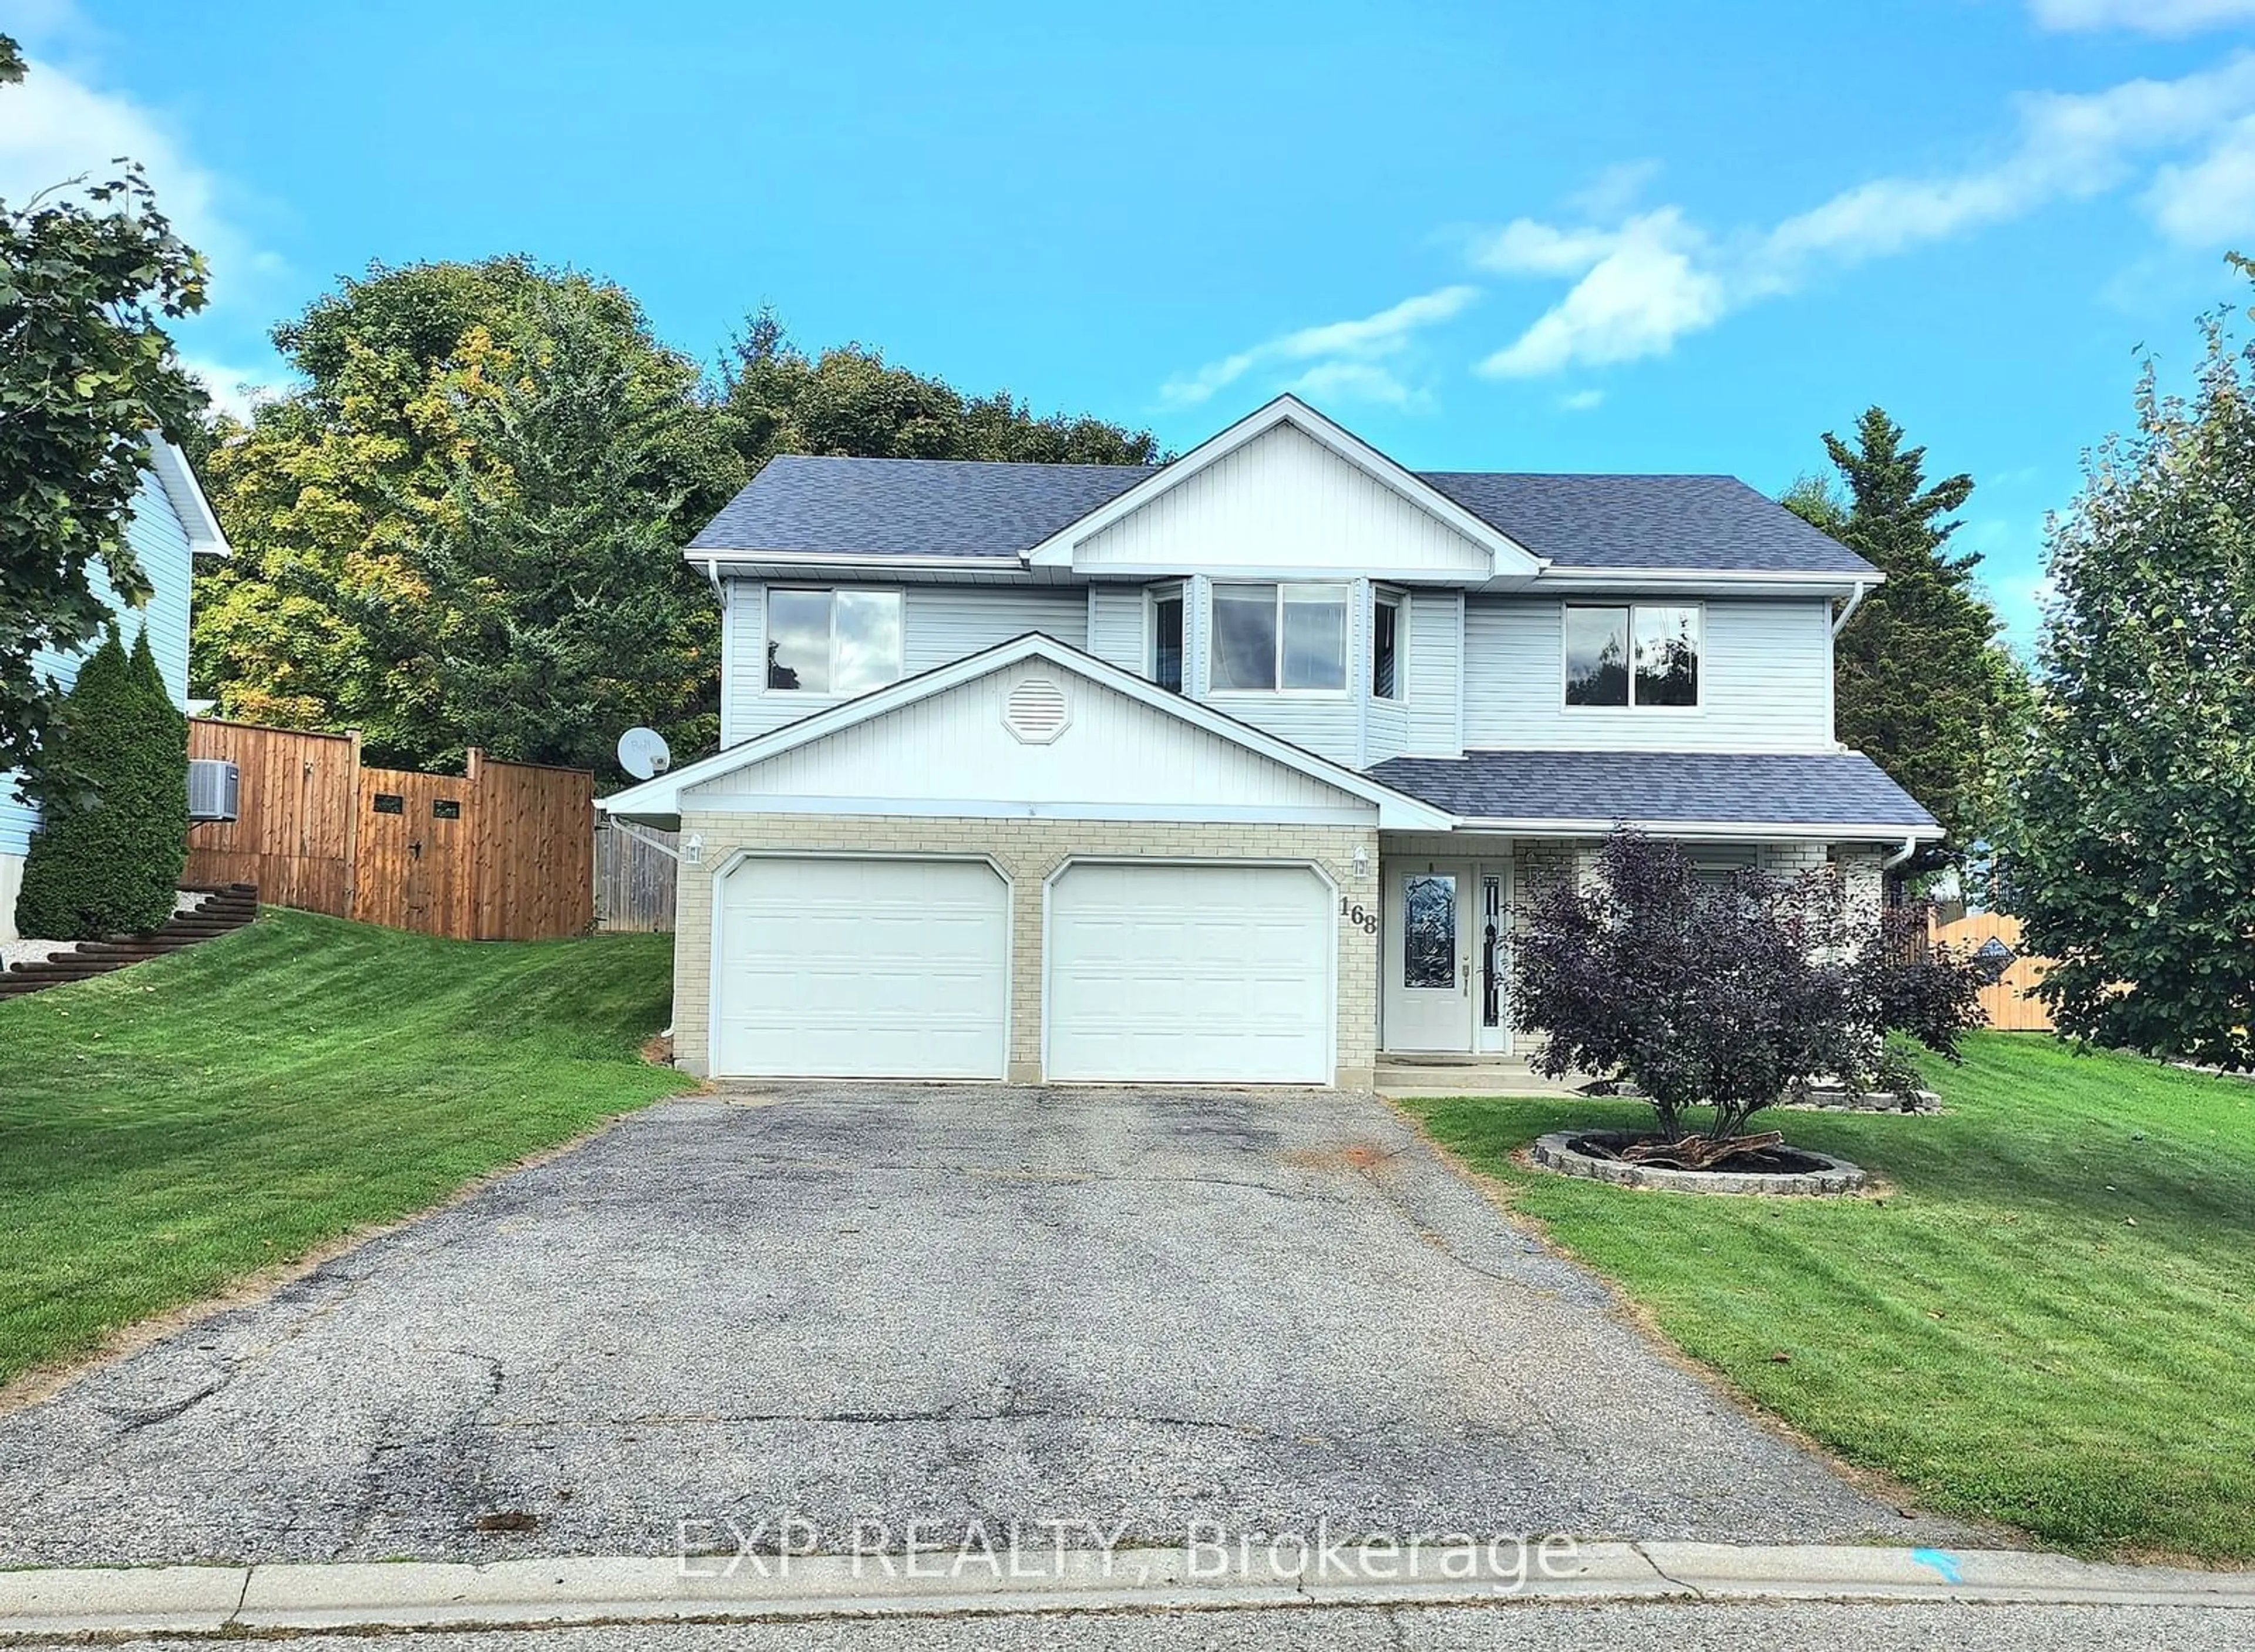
(967, 1306)
(1545, 1626)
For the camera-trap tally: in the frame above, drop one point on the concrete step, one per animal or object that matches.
(1429, 1075)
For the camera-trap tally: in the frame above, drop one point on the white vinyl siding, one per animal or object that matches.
(1434, 724)
(161, 543)
(1765, 676)
(1284, 501)
(1116, 627)
(940, 624)
(1189, 973)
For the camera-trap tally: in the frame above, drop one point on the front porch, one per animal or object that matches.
(1446, 910)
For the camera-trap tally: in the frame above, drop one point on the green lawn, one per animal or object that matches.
(166, 1129)
(2049, 1320)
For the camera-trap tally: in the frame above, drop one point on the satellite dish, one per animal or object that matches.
(642, 753)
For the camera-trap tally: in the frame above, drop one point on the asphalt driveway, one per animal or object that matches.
(870, 1305)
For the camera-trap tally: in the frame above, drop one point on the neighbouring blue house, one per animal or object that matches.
(172, 524)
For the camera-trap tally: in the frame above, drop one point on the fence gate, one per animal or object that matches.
(502, 852)
(2010, 1002)
(413, 858)
(633, 879)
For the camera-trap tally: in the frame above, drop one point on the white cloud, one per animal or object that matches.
(1345, 359)
(1582, 401)
(235, 388)
(1366, 382)
(1654, 278)
(1649, 285)
(55, 127)
(1613, 190)
(2210, 201)
(2147, 17)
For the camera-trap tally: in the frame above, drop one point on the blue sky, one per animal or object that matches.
(1627, 237)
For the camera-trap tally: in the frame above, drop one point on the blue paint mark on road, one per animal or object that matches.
(1941, 1560)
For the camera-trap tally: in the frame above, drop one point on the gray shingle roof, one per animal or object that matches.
(1767, 787)
(1648, 522)
(981, 511)
(911, 507)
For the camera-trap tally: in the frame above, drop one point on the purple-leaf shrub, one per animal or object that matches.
(1723, 994)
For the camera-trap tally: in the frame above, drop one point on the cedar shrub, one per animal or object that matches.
(107, 856)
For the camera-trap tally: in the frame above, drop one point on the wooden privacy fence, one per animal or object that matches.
(503, 852)
(633, 879)
(2010, 1003)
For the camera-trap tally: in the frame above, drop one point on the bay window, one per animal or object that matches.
(833, 642)
(1290, 638)
(1633, 654)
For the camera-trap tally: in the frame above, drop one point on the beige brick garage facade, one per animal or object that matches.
(1029, 853)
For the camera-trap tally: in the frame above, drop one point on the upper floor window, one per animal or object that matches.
(834, 642)
(1291, 637)
(1166, 661)
(1385, 646)
(1641, 654)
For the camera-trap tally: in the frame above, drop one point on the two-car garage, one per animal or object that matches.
(903, 967)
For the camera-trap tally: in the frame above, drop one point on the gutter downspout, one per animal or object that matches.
(1855, 600)
(1909, 849)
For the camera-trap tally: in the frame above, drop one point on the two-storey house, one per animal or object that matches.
(1229, 770)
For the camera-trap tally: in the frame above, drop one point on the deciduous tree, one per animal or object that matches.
(88, 272)
(403, 521)
(2129, 852)
(850, 401)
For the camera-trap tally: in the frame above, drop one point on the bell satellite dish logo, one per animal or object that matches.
(642, 753)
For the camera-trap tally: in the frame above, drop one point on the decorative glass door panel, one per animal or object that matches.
(1427, 958)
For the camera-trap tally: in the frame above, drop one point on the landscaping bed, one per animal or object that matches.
(1776, 1169)
(170, 1128)
(2048, 1320)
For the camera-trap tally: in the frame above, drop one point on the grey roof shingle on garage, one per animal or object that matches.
(1844, 789)
(987, 511)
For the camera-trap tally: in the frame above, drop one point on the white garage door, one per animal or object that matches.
(867, 969)
(1190, 974)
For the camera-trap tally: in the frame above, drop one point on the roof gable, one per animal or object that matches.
(955, 752)
(186, 496)
(1286, 487)
(661, 798)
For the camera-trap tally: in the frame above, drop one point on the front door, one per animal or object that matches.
(1427, 956)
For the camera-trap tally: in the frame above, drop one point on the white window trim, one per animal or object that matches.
(767, 613)
(1345, 587)
(1399, 600)
(1633, 709)
(1153, 595)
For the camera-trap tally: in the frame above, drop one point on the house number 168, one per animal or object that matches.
(1354, 914)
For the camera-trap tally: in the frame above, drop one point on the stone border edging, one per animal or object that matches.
(214, 1601)
(1556, 1152)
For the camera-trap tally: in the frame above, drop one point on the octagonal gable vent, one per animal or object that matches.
(1035, 710)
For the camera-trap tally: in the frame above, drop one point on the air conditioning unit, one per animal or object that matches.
(214, 790)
